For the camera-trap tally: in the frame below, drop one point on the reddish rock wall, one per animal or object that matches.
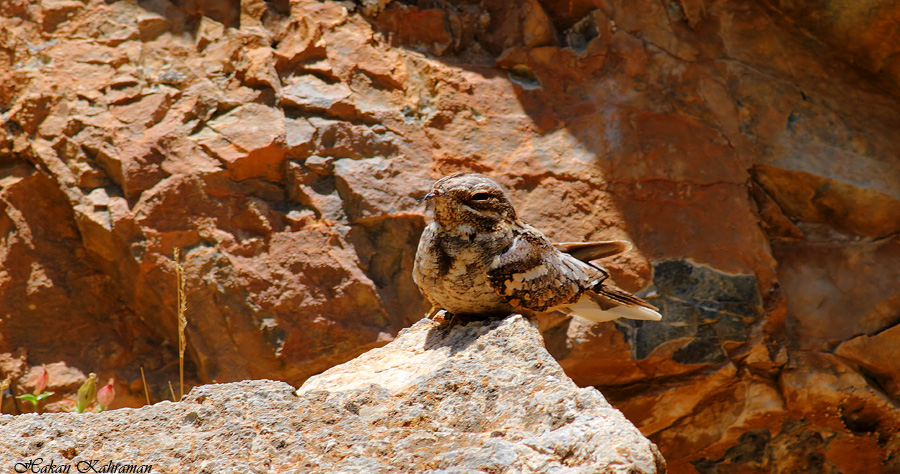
(748, 150)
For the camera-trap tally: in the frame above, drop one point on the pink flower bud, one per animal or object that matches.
(41, 383)
(105, 395)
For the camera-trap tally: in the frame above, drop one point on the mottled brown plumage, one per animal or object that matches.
(477, 257)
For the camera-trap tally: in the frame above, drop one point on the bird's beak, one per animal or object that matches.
(432, 194)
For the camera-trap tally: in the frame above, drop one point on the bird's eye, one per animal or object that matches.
(480, 197)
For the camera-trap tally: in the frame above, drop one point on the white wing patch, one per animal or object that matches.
(518, 280)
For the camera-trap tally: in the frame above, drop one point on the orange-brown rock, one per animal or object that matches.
(749, 150)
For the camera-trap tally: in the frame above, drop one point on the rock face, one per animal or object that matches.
(748, 149)
(486, 397)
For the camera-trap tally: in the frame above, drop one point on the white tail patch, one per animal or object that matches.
(586, 308)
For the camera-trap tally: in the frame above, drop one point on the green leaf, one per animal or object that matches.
(44, 395)
(31, 398)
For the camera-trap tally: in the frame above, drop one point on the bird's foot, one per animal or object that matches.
(433, 312)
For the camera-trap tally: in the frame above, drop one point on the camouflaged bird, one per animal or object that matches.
(477, 257)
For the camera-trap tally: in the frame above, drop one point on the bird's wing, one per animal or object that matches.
(587, 251)
(532, 274)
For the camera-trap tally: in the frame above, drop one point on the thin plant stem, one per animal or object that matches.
(3, 386)
(182, 318)
(144, 380)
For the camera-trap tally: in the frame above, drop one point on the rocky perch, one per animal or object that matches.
(482, 397)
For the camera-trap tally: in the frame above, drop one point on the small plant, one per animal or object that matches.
(182, 318)
(86, 394)
(39, 393)
(106, 395)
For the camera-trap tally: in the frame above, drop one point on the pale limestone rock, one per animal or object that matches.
(484, 396)
(481, 397)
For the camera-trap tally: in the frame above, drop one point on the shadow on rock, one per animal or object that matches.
(460, 331)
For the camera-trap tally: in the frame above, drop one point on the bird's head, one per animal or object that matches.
(469, 198)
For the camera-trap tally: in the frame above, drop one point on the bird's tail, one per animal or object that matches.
(606, 303)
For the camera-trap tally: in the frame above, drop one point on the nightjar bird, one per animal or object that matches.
(478, 257)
